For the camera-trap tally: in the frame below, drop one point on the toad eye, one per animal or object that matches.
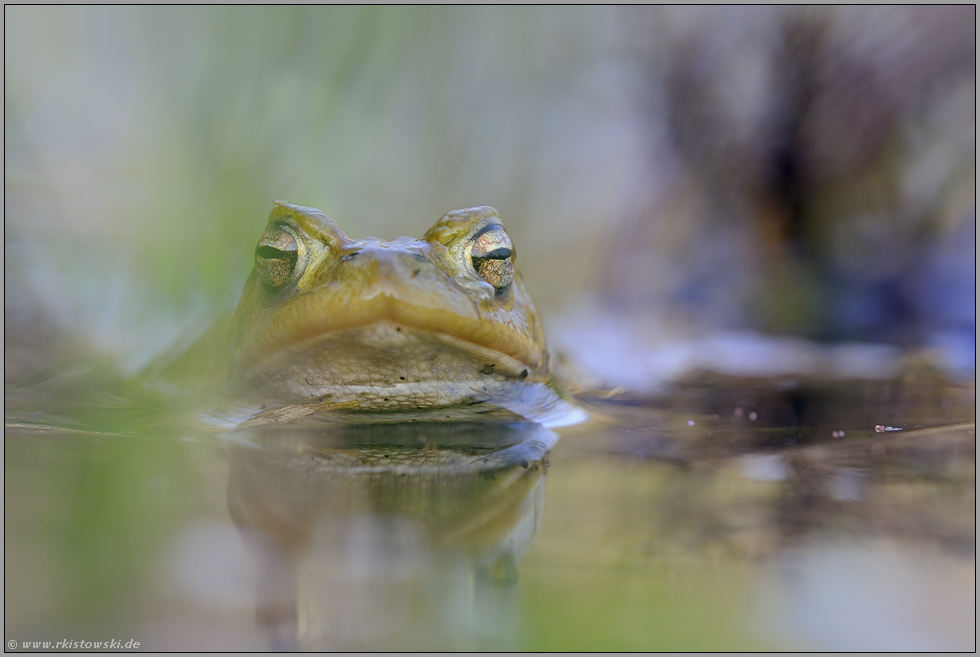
(492, 256)
(276, 256)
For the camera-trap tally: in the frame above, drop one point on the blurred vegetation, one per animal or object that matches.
(825, 166)
(803, 170)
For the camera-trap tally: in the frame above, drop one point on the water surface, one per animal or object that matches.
(726, 514)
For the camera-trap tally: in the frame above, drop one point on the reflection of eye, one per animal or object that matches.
(492, 256)
(276, 256)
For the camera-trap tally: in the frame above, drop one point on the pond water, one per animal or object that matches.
(722, 514)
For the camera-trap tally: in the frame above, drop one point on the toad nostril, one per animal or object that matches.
(350, 256)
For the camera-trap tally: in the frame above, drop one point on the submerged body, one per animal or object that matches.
(331, 322)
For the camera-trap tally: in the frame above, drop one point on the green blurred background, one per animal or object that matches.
(805, 171)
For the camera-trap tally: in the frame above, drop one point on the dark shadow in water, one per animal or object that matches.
(402, 536)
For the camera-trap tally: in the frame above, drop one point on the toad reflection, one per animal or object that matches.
(388, 536)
